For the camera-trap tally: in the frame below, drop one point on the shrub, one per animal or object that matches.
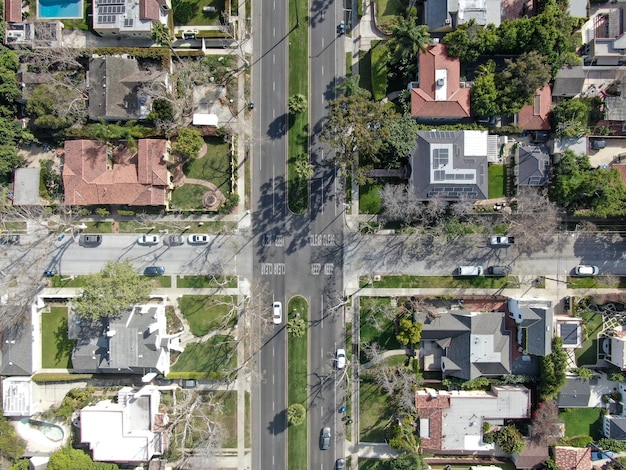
(612, 445)
(578, 441)
(45, 378)
(296, 414)
(125, 213)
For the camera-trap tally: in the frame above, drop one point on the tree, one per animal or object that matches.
(569, 117)
(68, 457)
(296, 414)
(107, 293)
(161, 34)
(188, 143)
(297, 327)
(520, 80)
(401, 141)
(509, 439)
(402, 435)
(303, 168)
(297, 104)
(399, 205)
(21, 464)
(407, 39)
(546, 424)
(465, 42)
(11, 445)
(484, 92)
(584, 373)
(410, 332)
(10, 159)
(162, 111)
(552, 371)
(183, 12)
(408, 461)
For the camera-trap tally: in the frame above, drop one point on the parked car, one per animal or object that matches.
(605, 454)
(174, 240)
(189, 383)
(597, 144)
(154, 271)
(341, 29)
(500, 240)
(340, 464)
(148, 239)
(198, 239)
(50, 273)
(498, 271)
(325, 439)
(467, 271)
(340, 358)
(277, 313)
(9, 239)
(90, 240)
(487, 120)
(586, 270)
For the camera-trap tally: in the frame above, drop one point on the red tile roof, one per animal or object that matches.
(149, 10)
(90, 178)
(534, 117)
(423, 103)
(13, 11)
(573, 458)
(431, 408)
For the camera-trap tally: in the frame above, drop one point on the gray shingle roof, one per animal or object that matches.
(569, 333)
(617, 428)
(533, 164)
(575, 393)
(569, 82)
(17, 352)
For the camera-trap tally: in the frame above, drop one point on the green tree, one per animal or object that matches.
(296, 327)
(549, 465)
(465, 42)
(107, 293)
(296, 414)
(188, 143)
(584, 373)
(183, 12)
(401, 141)
(484, 92)
(10, 159)
(552, 369)
(161, 34)
(408, 461)
(303, 168)
(11, 445)
(297, 104)
(402, 435)
(407, 39)
(520, 80)
(162, 110)
(68, 457)
(21, 464)
(569, 117)
(409, 331)
(509, 439)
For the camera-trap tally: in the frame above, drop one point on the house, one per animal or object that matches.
(572, 458)
(26, 187)
(614, 423)
(612, 346)
(134, 427)
(115, 88)
(445, 15)
(453, 421)
(132, 18)
(532, 165)
(576, 393)
(17, 397)
(570, 329)
(465, 344)
(535, 325)
(136, 342)
(440, 96)
(535, 116)
(17, 348)
(450, 165)
(95, 174)
(605, 37)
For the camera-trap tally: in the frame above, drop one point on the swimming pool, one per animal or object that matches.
(59, 9)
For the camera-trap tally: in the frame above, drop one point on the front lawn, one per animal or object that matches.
(369, 198)
(188, 197)
(375, 411)
(582, 422)
(208, 312)
(596, 282)
(200, 17)
(592, 325)
(365, 70)
(206, 282)
(56, 348)
(376, 327)
(213, 166)
(379, 70)
(228, 416)
(387, 11)
(214, 358)
(416, 282)
(374, 464)
(496, 181)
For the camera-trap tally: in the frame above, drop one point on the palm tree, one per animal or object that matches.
(407, 40)
(297, 104)
(162, 35)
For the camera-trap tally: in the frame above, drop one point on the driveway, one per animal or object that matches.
(607, 155)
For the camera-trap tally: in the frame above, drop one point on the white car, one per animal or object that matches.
(198, 239)
(586, 270)
(340, 358)
(148, 239)
(277, 314)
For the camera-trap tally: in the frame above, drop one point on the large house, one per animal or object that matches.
(439, 97)
(129, 430)
(535, 325)
(605, 38)
(135, 342)
(451, 165)
(132, 18)
(446, 15)
(453, 421)
(612, 347)
(95, 174)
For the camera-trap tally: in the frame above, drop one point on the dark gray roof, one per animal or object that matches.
(575, 393)
(569, 82)
(617, 428)
(449, 164)
(17, 349)
(435, 13)
(569, 333)
(442, 328)
(539, 333)
(533, 163)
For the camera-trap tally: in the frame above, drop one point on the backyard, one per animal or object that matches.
(56, 348)
(213, 358)
(209, 312)
(496, 181)
(200, 17)
(592, 325)
(582, 422)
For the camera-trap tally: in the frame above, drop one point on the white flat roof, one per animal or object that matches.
(202, 119)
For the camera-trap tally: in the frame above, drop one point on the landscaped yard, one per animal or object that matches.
(596, 282)
(592, 324)
(56, 348)
(228, 417)
(375, 412)
(374, 464)
(387, 11)
(379, 70)
(372, 312)
(213, 166)
(496, 180)
(206, 282)
(582, 422)
(365, 70)
(188, 197)
(214, 358)
(209, 312)
(415, 282)
(369, 198)
(200, 17)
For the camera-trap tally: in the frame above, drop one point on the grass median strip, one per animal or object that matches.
(297, 358)
(416, 282)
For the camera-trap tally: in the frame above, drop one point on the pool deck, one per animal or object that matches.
(36, 441)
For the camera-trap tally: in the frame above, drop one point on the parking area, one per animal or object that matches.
(614, 148)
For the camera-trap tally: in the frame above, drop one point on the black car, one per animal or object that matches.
(90, 240)
(498, 271)
(9, 239)
(340, 464)
(189, 383)
(154, 271)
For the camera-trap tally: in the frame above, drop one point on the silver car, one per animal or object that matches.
(325, 439)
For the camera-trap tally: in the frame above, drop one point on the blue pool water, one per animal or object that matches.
(60, 8)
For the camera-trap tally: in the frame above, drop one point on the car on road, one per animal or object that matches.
(586, 270)
(341, 29)
(198, 239)
(340, 464)
(154, 271)
(496, 271)
(501, 241)
(468, 271)
(340, 358)
(90, 240)
(174, 240)
(325, 439)
(9, 239)
(148, 239)
(189, 383)
(277, 313)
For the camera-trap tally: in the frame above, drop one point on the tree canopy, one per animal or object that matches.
(569, 117)
(188, 143)
(11, 445)
(107, 293)
(407, 39)
(68, 457)
(552, 369)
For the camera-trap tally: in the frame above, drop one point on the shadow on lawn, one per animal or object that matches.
(64, 346)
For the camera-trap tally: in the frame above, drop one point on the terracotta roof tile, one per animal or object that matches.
(431, 408)
(13, 11)
(532, 119)
(149, 10)
(573, 458)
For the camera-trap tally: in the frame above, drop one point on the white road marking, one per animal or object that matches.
(274, 59)
(322, 48)
(322, 70)
(274, 86)
(273, 351)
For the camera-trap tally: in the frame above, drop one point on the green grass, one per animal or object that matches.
(297, 349)
(388, 10)
(592, 325)
(369, 198)
(379, 70)
(365, 70)
(200, 18)
(207, 312)
(228, 417)
(206, 282)
(596, 282)
(374, 464)
(247, 420)
(386, 336)
(298, 132)
(56, 348)
(98, 227)
(348, 64)
(582, 422)
(214, 358)
(188, 197)
(80, 281)
(375, 412)
(415, 282)
(213, 166)
(496, 180)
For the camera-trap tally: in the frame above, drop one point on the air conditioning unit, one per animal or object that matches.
(448, 22)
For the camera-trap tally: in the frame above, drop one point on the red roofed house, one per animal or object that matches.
(13, 11)
(439, 96)
(95, 175)
(534, 117)
(572, 458)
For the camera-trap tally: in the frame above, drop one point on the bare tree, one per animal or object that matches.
(398, 204)
(463, 206)
(373, 353)
(546, 425)
(436, 207)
